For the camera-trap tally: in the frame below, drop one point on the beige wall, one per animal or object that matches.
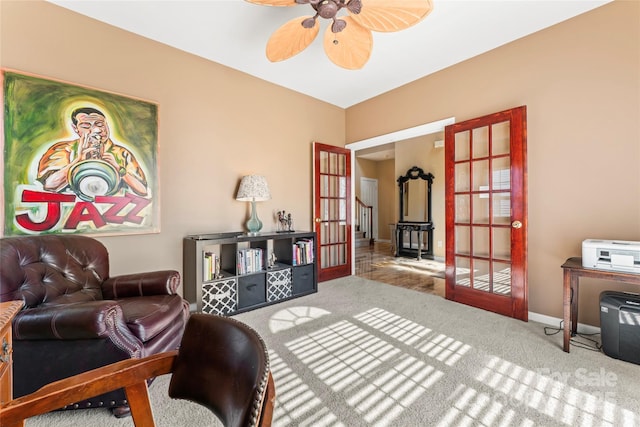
(364, 169)
(387, 197)
(216, 124)
(580, 81)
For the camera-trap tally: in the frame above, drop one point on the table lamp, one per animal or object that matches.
(253, 188)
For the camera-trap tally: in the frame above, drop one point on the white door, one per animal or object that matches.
(369, 196)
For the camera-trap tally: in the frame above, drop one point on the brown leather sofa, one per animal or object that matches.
(77, 318)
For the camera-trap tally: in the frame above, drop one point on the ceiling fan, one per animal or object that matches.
(348, 40)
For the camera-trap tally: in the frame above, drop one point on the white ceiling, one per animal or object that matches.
(235, 33)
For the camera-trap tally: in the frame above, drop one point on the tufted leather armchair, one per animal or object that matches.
(77, 318)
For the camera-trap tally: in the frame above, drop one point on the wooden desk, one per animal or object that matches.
(8, 310)
(572, 271)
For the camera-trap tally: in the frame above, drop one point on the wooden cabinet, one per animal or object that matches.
(8, 310)
(228, 273)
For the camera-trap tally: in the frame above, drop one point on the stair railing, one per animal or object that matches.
(364, 220)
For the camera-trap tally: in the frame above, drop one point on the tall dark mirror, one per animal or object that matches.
(414, 219)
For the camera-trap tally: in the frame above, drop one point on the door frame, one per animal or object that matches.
(395, 137)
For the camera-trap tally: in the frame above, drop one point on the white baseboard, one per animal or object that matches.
(555, 322)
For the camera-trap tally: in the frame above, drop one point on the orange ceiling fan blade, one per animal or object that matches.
(351, 47)
(290, 39)
(274, 2)
(396, 15)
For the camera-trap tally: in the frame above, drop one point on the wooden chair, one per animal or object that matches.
(222, 364)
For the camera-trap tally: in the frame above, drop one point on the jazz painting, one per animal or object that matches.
(77, 160)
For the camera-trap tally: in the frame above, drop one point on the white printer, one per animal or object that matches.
(614, 255)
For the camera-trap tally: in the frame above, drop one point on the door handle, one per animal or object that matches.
(318, 220)
(516, 224)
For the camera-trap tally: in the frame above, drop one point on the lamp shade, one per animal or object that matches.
(253, 188)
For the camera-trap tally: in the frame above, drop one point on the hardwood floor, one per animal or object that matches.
(379, 263)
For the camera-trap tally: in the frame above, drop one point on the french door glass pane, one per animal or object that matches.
(481, 175)
(324, 162)
(343, 210)
(333, 232)
(502, 278)
(481, 277)
(502, 243)
(481, 142)
(462, 272)
(462, 177)
(333, 163)
(481, 241)
(324, 185)
(462, 208)
(501, 208)
(342, 255)
(332, 209)
(342, 187)
(462, 146)
(463, 240)
(325, 256)
(481, 208)
(342, 164)
(500, 138)
(324, 209)
(501, 176)
(333, 189)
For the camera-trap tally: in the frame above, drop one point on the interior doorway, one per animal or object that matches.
(395, 138)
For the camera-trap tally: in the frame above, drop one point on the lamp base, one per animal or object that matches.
(254, 225)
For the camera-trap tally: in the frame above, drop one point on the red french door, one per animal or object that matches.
(486, 212)
(332, 210)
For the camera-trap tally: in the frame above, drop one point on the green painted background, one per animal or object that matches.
(37, 114)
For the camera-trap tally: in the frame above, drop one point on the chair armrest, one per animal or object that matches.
(164, 282)
(83, 320)
(130, 374)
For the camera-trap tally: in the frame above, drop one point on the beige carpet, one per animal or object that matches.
(363, 353)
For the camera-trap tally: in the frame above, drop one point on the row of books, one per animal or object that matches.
(211, 266)
(250, 260)
(303, 252)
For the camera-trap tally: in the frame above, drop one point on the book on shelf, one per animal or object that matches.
(210, 266)
(303, 252)
(250, 261)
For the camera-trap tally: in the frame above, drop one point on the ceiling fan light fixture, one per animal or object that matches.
(338, 25)
(348, 40)
(354, 6)
(327, 9)
(309, 22)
